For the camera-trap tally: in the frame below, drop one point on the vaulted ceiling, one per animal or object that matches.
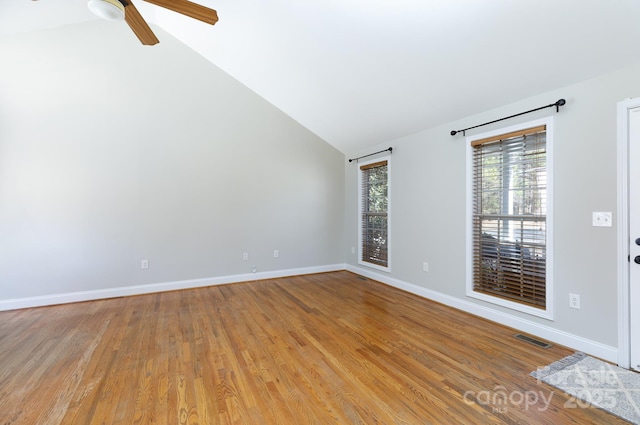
(359, 73)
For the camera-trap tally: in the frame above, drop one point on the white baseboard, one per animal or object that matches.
(575, 342)
(593, 348)
(125, 291)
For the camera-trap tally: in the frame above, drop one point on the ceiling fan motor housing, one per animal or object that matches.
(111, 10)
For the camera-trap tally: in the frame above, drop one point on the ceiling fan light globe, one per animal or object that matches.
(111, 10)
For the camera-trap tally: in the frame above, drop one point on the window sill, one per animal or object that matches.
(545, 314)
(375, 266)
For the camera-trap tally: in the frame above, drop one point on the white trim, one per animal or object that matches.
(560, 337)
(624, 314)
(124, 291)
(575, 342)
(359, 224)
(547, 313)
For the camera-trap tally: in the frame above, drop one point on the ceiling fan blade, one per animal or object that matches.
(138, 25)
(188, 8)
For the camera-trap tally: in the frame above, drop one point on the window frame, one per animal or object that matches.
(362, 262)
(547, 312)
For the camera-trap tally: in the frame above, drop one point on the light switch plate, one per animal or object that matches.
(602, 219)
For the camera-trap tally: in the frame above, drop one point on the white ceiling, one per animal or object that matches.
(359, 73)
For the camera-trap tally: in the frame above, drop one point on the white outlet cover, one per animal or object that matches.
(602, 219)
(574, 301)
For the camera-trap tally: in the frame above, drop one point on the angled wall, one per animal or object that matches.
(111, 152)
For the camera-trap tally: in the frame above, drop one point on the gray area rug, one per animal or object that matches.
(592, 382)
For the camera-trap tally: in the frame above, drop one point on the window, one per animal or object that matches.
(374, 214)
(509, 220)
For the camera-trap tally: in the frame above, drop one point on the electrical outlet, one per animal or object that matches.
(574, 301)
(425, 267)
(253, 269)
(245, 256)
(353, 249)
(144, 264)
(601, 219)
(276, 254)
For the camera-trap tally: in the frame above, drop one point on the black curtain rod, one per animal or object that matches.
(558, 104)
(371, 154)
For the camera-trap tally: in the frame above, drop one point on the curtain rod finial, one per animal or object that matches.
(453, 132)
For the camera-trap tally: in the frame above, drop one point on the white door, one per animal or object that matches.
(629, 233)
(634, 237)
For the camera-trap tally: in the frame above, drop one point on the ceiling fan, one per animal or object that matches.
(118, 10)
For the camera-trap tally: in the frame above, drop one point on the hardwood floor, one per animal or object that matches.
(331, 348)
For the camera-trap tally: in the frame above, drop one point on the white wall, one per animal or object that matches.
(111, 152)
(428, 206)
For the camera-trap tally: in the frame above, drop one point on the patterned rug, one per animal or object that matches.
(592, 382)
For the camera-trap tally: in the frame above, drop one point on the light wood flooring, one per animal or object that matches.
(331, 348)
